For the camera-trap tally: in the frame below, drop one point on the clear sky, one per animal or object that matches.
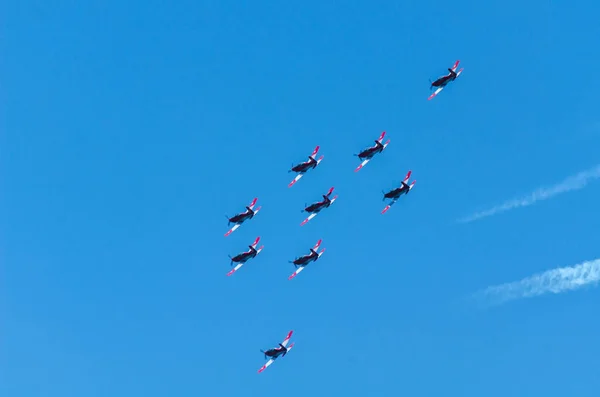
(129, 130)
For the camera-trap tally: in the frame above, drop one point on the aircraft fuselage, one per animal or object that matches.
(394, 194)
(316, 207)
(274, 353)
(303, 167)
(239, 218)
(244, 256)
(303, 260)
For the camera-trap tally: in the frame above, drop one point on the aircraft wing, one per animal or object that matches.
(287, 338)
(317, 245)
(253, 203)
(435, 93)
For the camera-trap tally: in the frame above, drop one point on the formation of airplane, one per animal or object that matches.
(315, 208)
(300, 263)
(242, 217)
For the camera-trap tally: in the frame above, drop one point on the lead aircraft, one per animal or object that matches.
(277, 352)
(242, 217)
(303, 261)
(395, 194)
(367, 154)
(443, 81)
(315, 208)
(302, 168)
(242, 258)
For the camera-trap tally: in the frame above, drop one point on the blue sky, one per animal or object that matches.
(132, 128)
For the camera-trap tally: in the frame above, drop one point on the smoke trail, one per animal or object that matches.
(554, 281)
(575, 182)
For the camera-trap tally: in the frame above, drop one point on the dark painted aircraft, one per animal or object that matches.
(315, 208)
(373, 150)
(442, 81)
(247, 255)
(319, 205)
(367, 154)
(280, 351)
(395, 193)
(242, 258)
(301, 262)
(302, 168)
(306, 259)
(242, 217)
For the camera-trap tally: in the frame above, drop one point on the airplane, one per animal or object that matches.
(240, 218)
(306, 259)
(367, 154)
(315, 208)
(242, 258)
(302, 168)
(277, 352)
(441, 82)
(395, 194)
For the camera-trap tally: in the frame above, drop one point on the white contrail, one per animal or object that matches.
(574, 182)
(553, 281)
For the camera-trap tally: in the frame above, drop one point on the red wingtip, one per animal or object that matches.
(315, 151)
(408, 174)
(330, 190)
(382, 135)
(253, 202)
(256, 241)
